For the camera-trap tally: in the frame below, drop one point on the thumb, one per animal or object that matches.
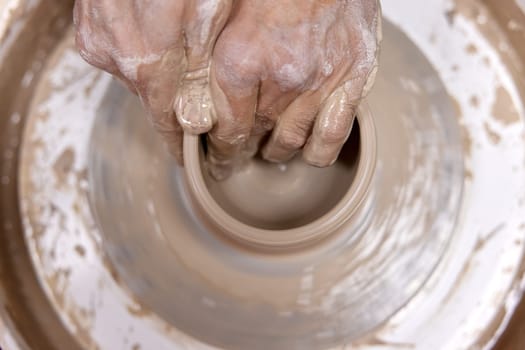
(204, 20)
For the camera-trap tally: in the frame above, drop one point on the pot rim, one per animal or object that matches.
(300, 236)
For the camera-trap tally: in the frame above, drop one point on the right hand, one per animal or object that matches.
(288, 76)
(161, 50)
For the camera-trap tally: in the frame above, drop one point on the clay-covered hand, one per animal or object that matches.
(296, 69)
(161, 49)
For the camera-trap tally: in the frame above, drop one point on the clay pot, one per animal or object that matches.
(285, 206)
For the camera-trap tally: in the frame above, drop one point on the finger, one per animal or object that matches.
(203, 23)
(262, 127)
(235, 99)
(193, 104)
(172, 135)
(156, 85)
(331, 129)
(292, 129)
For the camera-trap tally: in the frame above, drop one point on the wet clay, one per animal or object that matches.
(307, 216)
(125, 262)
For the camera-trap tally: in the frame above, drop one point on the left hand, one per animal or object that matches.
(161, 49)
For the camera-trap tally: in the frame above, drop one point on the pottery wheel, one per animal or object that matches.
(325, 296)
(128, 265)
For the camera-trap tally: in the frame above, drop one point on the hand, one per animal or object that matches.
(294, 69)
(161, 50)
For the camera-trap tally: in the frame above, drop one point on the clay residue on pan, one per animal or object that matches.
(450, 16)
(82, 319)
(89, 88)
(492, 135)
(40, 219)
(467, 140)
(506, 35)
(64, 164)
(80, 250)
(465, 132)
(486, 61)
(482, 241)
(474, 101)
(28, 31)
(491, 329)
(138, 310)
(462, 275)
(381, 343)
(471, 49)
(503, 109)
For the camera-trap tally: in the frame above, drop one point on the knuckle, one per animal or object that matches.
(353, 89)
(293, 75)
(361, 68)
(366, 56)
(302, 126)
(236, 61)
(218, 11)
